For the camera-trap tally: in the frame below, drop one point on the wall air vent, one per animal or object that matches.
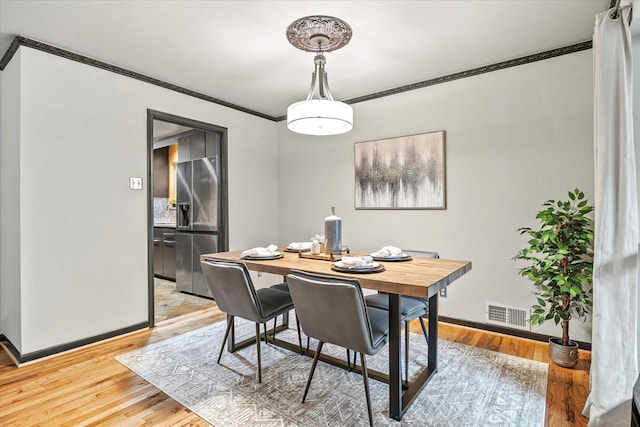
(509, 316)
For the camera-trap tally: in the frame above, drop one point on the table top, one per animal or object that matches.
(420, 277)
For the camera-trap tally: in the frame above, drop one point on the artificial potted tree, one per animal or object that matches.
(560, 265)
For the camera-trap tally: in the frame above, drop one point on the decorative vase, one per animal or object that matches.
(563, 355)
(333, 233)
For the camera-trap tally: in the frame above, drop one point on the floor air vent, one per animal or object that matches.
(506, 315)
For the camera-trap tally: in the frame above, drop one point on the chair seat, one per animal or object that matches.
(283, 287)
(273, 301)
(410, 308)
(379, 320)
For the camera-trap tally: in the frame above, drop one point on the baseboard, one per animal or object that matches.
(169, 278)
(10, 348)
(29, 357)
(506, 331)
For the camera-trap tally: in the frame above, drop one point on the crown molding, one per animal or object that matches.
(477, 71)
(8, 55)
(565, 50)
(23, 41)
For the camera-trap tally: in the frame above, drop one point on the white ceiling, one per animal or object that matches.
(237, 50)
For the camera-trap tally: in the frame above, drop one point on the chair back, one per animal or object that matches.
(233, 289)
(332, 310)
(421, 254)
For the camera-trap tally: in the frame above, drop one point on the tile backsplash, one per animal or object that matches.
(162, 213)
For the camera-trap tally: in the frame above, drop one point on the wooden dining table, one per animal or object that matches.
(419, 277)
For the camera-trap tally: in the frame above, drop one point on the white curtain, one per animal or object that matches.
(614, 367)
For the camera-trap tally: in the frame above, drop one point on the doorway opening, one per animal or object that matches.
(188, 210)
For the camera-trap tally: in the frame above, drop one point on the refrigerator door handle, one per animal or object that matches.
(184, 216)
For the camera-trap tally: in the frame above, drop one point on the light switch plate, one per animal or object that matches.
(135, 183)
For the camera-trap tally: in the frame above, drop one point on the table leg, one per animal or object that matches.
(395, 367)
(432, 355)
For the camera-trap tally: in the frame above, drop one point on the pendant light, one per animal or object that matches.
(319, 114)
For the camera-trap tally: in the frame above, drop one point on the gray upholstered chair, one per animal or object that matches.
(233, 290)
(332, 310)
(411, 308)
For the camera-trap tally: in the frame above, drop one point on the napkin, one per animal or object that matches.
(299, 245)
(387, 251)
(354, 261)
(260, 251)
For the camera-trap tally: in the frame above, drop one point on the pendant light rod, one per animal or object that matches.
(319, 80)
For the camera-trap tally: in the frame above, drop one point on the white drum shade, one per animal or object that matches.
(320, 117)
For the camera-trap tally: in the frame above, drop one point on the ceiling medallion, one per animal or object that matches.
(331, 33)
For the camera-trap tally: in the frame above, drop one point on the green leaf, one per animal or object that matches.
(560, 264)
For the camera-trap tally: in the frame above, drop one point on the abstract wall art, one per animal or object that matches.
(406, 172)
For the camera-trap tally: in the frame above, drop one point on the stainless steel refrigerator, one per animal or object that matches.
(198, 227)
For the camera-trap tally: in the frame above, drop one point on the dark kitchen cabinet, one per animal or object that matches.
(161, 172)
(157, 252)
(191, 147)
(198, 145)
(169, 255)
(164, 252)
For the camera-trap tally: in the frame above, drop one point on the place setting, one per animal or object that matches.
(297, 247)
(365, 264)
(390, 254)
(262, 253)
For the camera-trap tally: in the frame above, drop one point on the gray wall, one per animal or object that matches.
(74, 237)
(514, 138)
(73, 266)
(10, 323)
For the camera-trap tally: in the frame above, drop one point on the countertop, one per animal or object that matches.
(164, 224)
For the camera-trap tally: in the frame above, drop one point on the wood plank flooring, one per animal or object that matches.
(567, 389)
(88, 387)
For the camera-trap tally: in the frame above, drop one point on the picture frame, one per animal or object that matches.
(406, 172)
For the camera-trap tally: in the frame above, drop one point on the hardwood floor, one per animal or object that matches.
(567, 389)
(88, 387)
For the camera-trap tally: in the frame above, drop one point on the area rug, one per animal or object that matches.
(473, 387)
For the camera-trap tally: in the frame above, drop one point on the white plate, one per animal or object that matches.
(401, 257)
(371, 266)
(300, 247)
(290, 249)
(273, 255)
